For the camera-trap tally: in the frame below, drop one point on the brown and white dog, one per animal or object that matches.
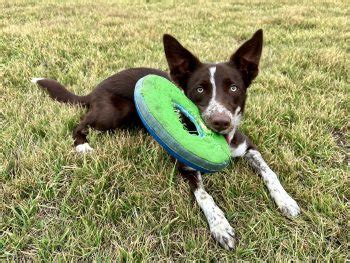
(219, 91)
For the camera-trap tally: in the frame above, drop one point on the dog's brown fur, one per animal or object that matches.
(111, 103)
(219, 90)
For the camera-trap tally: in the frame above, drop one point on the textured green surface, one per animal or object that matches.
(161, 96)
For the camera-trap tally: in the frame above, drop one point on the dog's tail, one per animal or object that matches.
(58, 92)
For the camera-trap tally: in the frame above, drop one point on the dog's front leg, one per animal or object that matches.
(241, 146)
(218, 224)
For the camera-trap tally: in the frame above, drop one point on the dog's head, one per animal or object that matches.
(218, 89)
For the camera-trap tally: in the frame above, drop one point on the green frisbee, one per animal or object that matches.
(158, 102)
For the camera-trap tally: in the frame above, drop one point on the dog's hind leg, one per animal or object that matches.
(220, 228)
(80, 133)
(104, 115)
(241, 146)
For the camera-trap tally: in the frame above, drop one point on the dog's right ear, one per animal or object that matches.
(182, 63)
(247, 57)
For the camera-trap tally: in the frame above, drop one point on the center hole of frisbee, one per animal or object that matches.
(188, 121)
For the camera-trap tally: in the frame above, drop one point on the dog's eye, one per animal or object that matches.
(200, 89)
(233, 88)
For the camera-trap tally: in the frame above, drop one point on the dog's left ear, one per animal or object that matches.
(247, 57)
(182, 63)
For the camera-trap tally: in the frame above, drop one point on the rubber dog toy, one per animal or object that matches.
(158, 102)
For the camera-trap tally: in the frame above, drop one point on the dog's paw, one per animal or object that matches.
(224, 234)
(83, 148)
(288, 206)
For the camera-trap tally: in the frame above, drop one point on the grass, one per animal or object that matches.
(125, 201)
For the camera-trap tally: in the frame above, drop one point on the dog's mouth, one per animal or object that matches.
(192, 129)
(228, 138)
(228, 134)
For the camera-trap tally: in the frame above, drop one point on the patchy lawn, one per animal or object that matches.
(124, 201)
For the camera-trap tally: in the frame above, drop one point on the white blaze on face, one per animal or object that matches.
(215, 106)
(213, 101)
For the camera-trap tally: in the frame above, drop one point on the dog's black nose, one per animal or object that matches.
(220, 122)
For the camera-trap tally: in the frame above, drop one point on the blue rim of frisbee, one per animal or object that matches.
(167, 141)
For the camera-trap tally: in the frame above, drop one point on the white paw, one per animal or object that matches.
(288, 206)
(35, 80)
(83, 148)
(224, 234)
